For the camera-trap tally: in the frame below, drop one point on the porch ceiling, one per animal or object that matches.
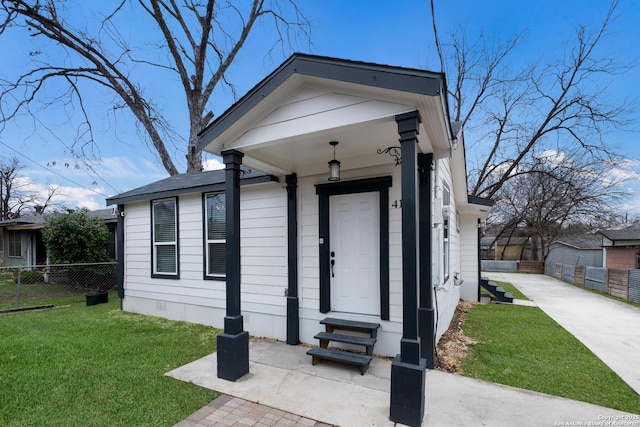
(287, 127)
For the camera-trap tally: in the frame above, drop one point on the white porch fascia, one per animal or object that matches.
(284, 124)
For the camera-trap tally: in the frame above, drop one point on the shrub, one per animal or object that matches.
(75, 237)
(30, 276)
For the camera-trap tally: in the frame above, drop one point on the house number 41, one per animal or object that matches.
(397, 204)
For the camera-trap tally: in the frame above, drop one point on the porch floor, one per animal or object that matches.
(282, 378)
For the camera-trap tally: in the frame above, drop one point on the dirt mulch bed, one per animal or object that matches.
(453, 346)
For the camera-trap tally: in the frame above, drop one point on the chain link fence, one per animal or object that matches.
(38, 285)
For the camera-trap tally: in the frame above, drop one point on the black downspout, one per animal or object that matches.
(426, 313)
(233, 344)
(293, 316)
(479, 260)
(120, 253)
(408, 368)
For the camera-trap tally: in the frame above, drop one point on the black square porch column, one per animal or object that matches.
(233, 344)
(408, 368)
(426, 313)
(293, 305)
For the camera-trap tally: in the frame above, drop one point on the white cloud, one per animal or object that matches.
(77, 197)
(553, 157)
(78, 186)
(212, 164)
(628, 169)
(81, 187)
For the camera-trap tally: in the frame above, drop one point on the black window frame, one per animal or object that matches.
(205, 238)
(154, 272)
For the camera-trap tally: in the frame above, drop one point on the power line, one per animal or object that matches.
(53, 172)
(71, 149)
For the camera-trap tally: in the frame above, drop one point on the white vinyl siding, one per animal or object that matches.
(469, 257)
(215, 235)
(447, 255)
(165, 237)
(263, 234)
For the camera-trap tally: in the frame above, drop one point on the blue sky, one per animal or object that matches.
(390, 32)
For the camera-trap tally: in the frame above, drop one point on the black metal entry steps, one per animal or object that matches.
(331, 324)
(498, 292)
(360, 360)
(343, 356)
(326, 337)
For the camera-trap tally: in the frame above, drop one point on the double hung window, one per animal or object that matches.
(165, 237)
(215, 235)
(446, 222)
(14, 240)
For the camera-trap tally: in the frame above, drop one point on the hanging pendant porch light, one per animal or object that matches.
(334, 165)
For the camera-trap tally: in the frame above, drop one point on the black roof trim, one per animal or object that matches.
(176, 185)
(475, 200)
(365, 73)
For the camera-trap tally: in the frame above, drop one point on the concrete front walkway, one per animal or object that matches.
(282, 380)
(609, 328)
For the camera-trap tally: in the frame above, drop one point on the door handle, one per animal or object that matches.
(333, 262)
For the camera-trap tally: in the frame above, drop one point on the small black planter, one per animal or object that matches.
(97, 298)
(103, 296)
(92, 299)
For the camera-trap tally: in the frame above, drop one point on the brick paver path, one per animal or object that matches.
(232, 411)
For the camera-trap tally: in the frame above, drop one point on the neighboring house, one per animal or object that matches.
(514, 249)
(22, 243)
(387, 240)
(488, 248)
(621, 247)
(583, 250)
(110, 219)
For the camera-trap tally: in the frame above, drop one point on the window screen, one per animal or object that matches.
(216, 234)
(165, 241)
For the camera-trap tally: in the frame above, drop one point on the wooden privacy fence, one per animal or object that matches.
(623, 284)
(535, 267)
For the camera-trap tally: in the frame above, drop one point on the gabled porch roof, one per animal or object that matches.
(284, 124)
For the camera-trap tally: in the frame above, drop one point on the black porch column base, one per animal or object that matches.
(426, 322)
(233, 355)
(407, 392)
(293, 322)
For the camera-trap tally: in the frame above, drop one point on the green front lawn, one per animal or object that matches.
(98, 366)
(523, 347)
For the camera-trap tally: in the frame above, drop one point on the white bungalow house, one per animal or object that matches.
(277, 243)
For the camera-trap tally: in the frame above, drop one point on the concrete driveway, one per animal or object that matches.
(609, 328)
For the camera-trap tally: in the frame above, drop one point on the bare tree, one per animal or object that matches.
(556, 192)
(8, 171)
(561, 105)
(15, 194)
(199, 41)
